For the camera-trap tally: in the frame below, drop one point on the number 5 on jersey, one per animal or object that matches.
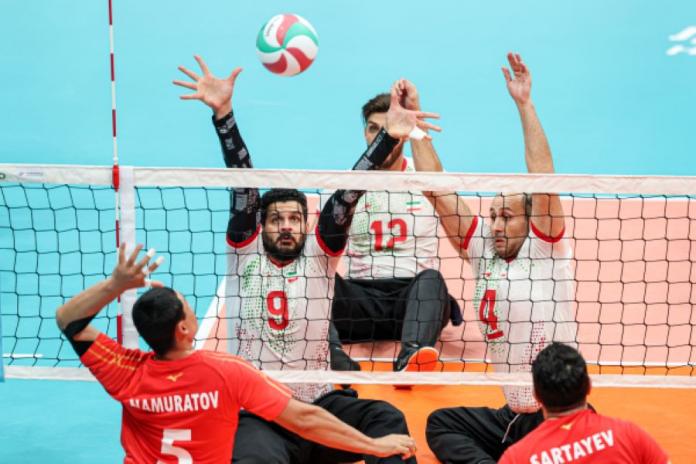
(168, 448)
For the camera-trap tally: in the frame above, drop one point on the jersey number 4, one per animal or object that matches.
(277, 304)
(487, 315)
(397, 229)
(168, 448)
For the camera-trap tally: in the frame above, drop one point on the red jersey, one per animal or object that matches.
(182, 411)
(585, 437)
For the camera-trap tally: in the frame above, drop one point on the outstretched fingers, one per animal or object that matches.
(202, 65)
(189, 73)
(233, 75)
(134, 255)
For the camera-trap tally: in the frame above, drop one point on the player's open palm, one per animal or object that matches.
(211, 90)
(519, 83)
(130, 273)
(402, 123)
(393, 445)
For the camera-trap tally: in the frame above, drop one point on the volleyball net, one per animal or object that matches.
(630, 296)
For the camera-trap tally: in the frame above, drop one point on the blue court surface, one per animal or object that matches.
(610, 96)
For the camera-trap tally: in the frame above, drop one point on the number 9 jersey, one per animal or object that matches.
(279, 314)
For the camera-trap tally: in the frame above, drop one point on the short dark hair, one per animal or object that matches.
(155, 314)
(277, 194)
(560, 378)
(377, 104)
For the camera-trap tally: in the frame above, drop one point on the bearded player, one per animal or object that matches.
(524, 289)
(180, 404)
(281, 278)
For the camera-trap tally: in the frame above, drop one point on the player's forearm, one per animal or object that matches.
(537, 152)
(425, 157)
(234, 149)
(378, 151)
(244, 202)
(322, 427)
(336, 217)
(88, 302)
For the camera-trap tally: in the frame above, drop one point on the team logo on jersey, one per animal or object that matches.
(174, 377)
(687, 37)
(292, 277)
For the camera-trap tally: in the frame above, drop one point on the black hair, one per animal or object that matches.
(561, 381)
(377, 104)
(277, 194)
(155, 314)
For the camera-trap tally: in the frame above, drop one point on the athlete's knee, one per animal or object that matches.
(387, 413)
(436, 420)
(431, 276)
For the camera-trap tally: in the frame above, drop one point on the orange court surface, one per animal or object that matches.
(666, 414)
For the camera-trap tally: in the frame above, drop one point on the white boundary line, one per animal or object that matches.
(367, 180)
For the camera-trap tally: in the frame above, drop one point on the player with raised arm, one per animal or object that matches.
(181, 405)
(392, 289)
(280, 284)
(571, 431)
(524, 288)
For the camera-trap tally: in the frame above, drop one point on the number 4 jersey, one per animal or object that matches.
(279, 314)
(522, 304)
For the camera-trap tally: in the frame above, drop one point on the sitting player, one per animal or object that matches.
(523, 295)
(393, 289)
(184, 404)
(571, 431)
(280, 279)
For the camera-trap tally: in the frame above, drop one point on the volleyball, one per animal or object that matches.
(287, 44)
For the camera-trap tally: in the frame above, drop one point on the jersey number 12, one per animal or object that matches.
(400, 236)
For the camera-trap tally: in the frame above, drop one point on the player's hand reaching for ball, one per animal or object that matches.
(405, 123)
(392, 445)
(211, 90)
(519, 83)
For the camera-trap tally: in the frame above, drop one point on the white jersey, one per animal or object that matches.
(393, 234)
(523, 304)
(279, 314)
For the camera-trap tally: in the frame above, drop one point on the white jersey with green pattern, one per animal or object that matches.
(393, 234)
(522, 304)
(279, 314)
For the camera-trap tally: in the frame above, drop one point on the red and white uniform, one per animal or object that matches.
(523, 304)
(280, 313)
(583, 438)
(183, 411)
(393, 234)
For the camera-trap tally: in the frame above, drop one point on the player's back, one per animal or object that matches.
(586, 437)
(180, 408)
(185, 409)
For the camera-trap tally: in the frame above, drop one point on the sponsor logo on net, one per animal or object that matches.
(687, 42)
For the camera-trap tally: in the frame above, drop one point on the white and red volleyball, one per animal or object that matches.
(287, 44)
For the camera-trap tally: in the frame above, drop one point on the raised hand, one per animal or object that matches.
(404, 123)
(211, 90)
(131, 274)
(520, 86)
(391, 445)
(409, 95)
